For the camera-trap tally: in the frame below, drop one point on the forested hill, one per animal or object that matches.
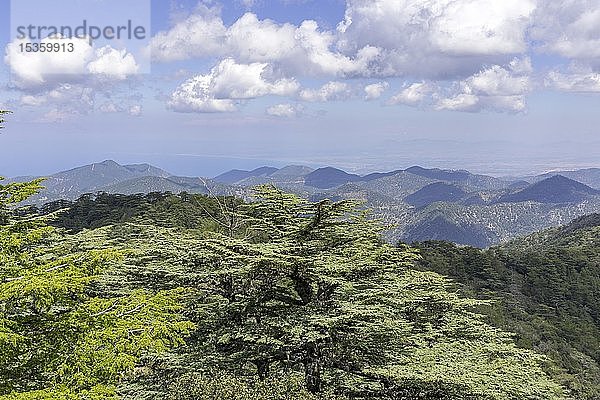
(417, 203)
(546, 288)
(191, 297)
(188, 211)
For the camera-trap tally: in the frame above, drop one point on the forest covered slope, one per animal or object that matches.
(545, 288)
(280, 298)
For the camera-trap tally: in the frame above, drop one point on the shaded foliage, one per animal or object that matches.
(310, 290)
(91, 211)
(546, 287)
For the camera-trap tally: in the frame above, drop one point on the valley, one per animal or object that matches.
(415, 204)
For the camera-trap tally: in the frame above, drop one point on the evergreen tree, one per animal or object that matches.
(57, 341)
(545, 289)
(291, 300)
(224, 386)
(312, 289)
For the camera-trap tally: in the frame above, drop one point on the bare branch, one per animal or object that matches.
(106, 311)
(133, 310)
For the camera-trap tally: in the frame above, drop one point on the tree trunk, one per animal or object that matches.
(312, 368)
(303, 288)
(262, 367)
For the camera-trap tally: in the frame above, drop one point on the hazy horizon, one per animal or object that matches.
(505, 88)
(209, 167)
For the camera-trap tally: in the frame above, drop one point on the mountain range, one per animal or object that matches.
(416, 203)
(588, 176)
(111, 177)
(555, 189)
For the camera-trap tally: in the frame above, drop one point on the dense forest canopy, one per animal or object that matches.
(195, 297)
(58, 339)
(545, 289)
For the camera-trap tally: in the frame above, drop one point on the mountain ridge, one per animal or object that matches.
(555, 189)
(480, 210)
(436, 192)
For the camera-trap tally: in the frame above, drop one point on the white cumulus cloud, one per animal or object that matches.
(227, 84)
(433, 38)
(480, 27)
(285, 110)
(65, 83)
(36, 69)
(375, 90)
(328, 92)
(495, 88)
(460, 102)
(202, 34)
(569, 28)
(580, 81)
(44, 70)
(413, 95)
(303, 49)
(112, 63)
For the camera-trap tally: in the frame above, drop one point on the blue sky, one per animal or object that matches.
(497, 87)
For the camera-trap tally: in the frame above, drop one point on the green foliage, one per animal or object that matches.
(223, 386)
(14, 193)
(311, 288)
(184, 210)
(56, 339)
(289, 300)
(545, 287)
(98, 392)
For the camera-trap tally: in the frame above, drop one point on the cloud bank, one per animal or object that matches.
(446, 55)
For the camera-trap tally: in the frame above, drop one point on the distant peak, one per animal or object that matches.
(559, 178)
(109, 162)
(555, 189)
(236, 175)
(329, 169)
(264, 170)
(440, 174)
(329, 177)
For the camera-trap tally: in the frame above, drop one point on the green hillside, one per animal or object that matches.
(546, 290)
(279, 298)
